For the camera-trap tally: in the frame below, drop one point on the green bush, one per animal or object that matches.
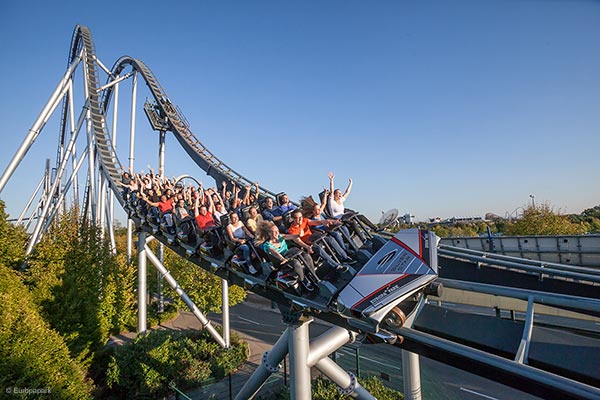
(12, 241)
(324, 389)
(84, 291)
(144, 368)
(32, 355)
(154, 318)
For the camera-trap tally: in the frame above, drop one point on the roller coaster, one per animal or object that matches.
(374, 300)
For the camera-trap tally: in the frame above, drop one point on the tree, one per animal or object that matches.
(85, 292)
(32, 355)
(542, 220)
(12, 241)
(201, 286)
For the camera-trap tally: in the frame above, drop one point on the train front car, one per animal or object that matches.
(390, 284)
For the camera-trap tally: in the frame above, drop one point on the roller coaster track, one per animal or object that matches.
(180, 128)
(97, 104)
(110, 165)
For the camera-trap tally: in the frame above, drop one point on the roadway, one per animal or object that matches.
(256, 320)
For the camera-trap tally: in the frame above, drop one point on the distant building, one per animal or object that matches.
(455, 220)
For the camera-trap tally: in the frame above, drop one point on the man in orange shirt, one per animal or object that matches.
(165, 205)
(301, 226)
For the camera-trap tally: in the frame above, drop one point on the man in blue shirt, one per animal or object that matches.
(273, 213)
(286, 205)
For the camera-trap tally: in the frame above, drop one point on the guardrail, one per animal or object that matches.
(542, 268)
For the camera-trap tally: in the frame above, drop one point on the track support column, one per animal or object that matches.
(298, 345)
(411, 372)
(142, 324)
(225, 311)
(270, 364)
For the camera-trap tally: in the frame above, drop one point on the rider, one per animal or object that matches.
(240, 235)
(336, 198)
(301, 226)
(276, 246)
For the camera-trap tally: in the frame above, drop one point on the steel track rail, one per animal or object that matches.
(510, 373)
(179, 126)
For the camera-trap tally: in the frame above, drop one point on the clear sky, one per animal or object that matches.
(436, 108)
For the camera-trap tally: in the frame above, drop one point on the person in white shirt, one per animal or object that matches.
(336, 198)
(240, 235)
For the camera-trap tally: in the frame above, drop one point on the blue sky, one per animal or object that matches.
(436, 108)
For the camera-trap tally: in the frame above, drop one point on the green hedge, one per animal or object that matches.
(32, 355)
(324, 389)
(144, 368)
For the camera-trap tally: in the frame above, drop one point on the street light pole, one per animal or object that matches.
(532, 200)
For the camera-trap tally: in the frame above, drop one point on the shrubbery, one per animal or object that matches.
(84, 291)
(32, 355)
(324, 389)
(144, 368)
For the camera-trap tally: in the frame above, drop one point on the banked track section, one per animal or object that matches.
(111, 167)
(109, 162)
(180, 128)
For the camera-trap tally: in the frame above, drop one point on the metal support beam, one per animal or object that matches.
(142, 300)
(523, 350)
(74, 129)
(26, 208)
(161, 250)
(54, 210)
(173, 283)
(225, 310)
(328, 342)
(132, 121)
(411, 373)
(35, 236)
(298, 346)
(39, 123)
(270, 364)
(347, 382)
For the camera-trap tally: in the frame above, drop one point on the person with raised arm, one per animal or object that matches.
(301, 226)
(336, 198)
(203, 213)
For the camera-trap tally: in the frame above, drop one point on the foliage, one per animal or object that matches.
(12, 240)
(591, 213)
(543, 220)
(85, 292)
(590, 217)
(144, 368)
(155, 318)
(32, 355)
(463, 229)
(324, 389)
(203, 288)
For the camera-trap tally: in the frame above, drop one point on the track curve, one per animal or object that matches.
(179, 126)
(111, 168)
(109, 163)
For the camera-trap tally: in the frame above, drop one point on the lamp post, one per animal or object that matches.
(532, 200)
